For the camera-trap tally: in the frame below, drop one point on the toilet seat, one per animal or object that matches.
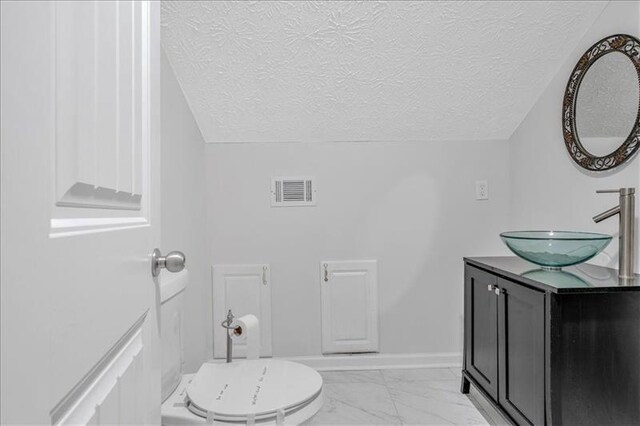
(264, 390)
(260, 388)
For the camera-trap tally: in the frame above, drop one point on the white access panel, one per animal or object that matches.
(349, 293)
(245, 289)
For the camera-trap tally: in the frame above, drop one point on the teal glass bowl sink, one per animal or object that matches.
(557, 279)
(554, 249)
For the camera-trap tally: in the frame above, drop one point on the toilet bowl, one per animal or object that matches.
(197, 398)
(261, 391)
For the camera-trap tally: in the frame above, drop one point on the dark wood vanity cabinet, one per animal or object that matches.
(504, 343)
(521, 352)
(481, 328)
(552, 348)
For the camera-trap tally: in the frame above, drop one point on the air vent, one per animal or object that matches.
(293, 191)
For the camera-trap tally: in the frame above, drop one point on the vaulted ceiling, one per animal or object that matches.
(269, 71)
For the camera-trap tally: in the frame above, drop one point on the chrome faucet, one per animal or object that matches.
(626, 234)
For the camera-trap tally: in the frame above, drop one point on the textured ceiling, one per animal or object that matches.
(354, 71)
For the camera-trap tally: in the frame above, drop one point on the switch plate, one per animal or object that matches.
(482, 190)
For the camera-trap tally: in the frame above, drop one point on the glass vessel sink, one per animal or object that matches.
(557, 279)
(554, 249)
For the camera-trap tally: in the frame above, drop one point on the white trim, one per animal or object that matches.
(376, 361)
(85, 195)
(80, 226)
(85, 399)
(172, 284)
(380, 361)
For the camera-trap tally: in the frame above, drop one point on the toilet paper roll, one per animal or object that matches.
(247, 329)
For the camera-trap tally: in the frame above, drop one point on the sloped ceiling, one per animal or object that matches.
(367, 71)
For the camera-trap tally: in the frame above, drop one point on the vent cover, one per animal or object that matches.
(293, 191)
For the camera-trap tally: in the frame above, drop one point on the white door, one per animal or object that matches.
(349, 294)
(245, 289)
(80, 107)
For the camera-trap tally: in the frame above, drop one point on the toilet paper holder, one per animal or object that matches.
(227, 324)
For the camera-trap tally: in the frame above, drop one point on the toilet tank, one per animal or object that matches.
(171, 310)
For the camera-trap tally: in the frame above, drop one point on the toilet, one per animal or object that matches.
(263, 391)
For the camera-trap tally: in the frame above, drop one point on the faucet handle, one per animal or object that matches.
(621, 191)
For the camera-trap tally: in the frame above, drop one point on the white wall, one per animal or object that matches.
(410, 205)
(183, 212)
(549, 191)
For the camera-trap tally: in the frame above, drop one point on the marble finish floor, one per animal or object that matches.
(429, 396)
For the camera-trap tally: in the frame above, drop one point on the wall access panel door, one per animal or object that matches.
(349, 293)
(245, 289)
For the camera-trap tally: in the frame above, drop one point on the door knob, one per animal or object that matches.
(173, 262)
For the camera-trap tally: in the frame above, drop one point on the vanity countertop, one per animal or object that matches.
(583, 278)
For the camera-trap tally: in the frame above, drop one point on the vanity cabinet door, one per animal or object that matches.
(521, 352)
(481, 328)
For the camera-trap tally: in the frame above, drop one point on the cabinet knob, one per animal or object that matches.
(499, 291)
(491, 287)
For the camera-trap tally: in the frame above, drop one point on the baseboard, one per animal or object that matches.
(379, 361)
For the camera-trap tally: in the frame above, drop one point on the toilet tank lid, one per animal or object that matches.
(172, 283)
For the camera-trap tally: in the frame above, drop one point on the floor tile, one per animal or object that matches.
(356, 404)
(410, 375)
(457, 371)
(437, 402)
(353, 376)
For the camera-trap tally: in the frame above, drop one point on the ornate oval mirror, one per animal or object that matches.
(601, 107)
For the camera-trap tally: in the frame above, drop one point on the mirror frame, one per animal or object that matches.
(630, 47)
